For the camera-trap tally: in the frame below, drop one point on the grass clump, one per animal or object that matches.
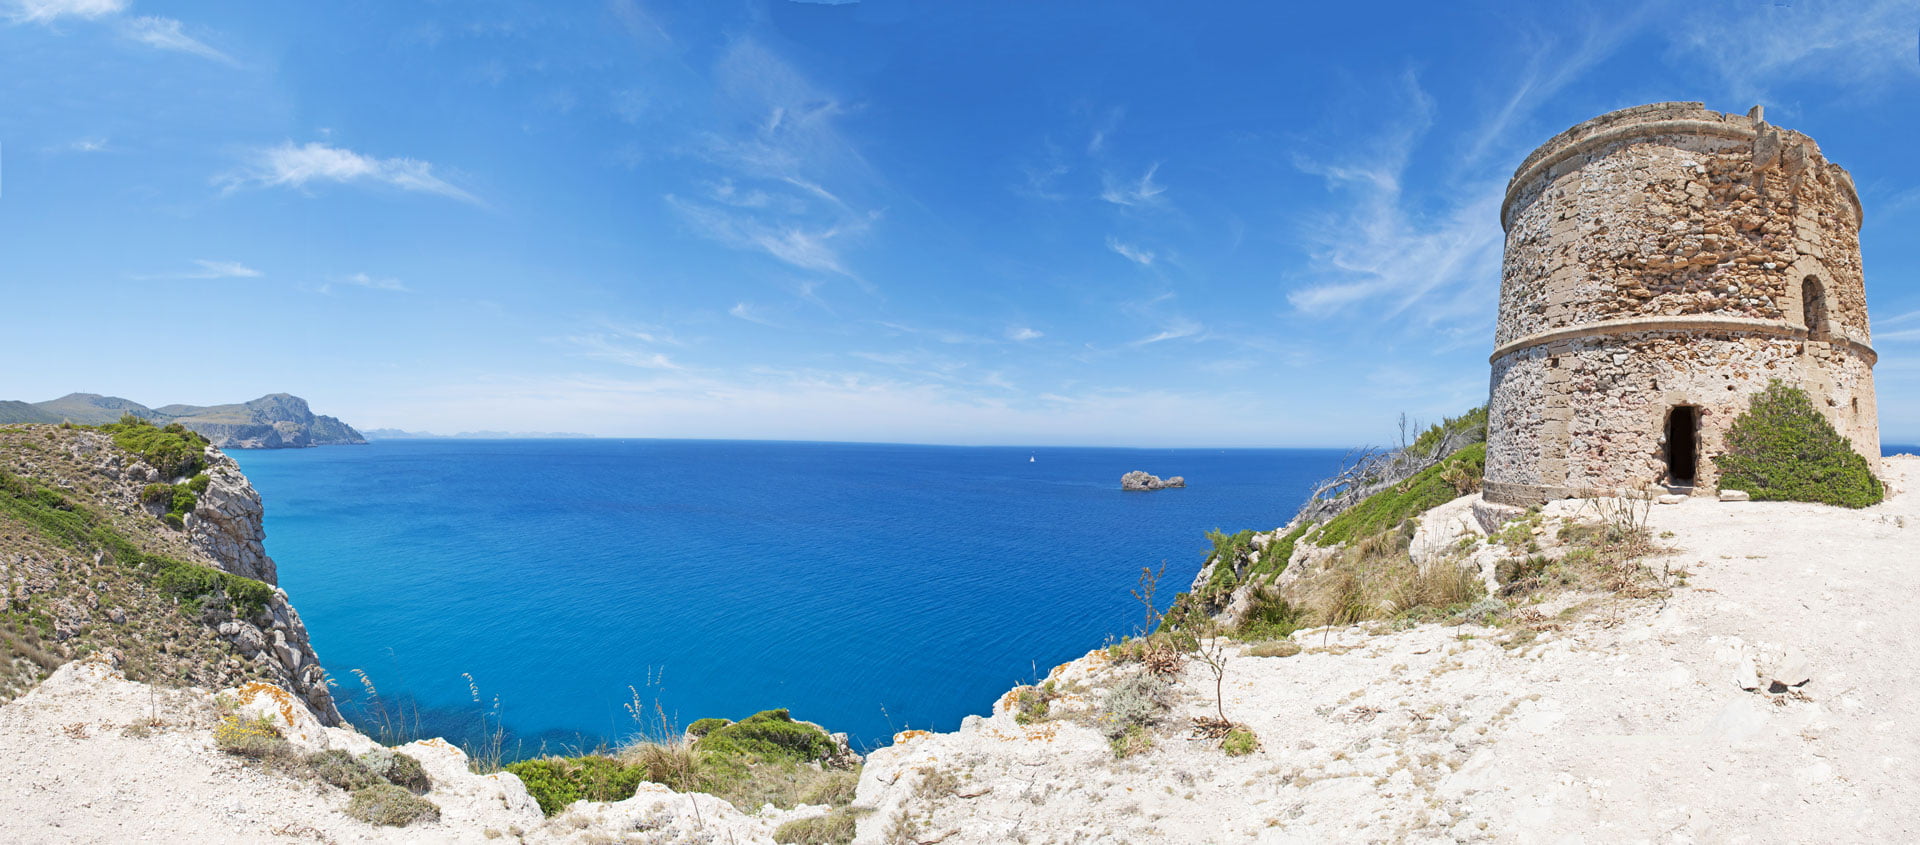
(1782, 449)
(391, 806)
(835, 828)
(1239, 742)
(1434, 486)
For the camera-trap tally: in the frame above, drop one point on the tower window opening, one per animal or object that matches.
(1683, 445)
(1813, 308)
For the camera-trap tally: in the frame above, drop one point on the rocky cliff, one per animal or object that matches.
(274, 421)
(89, 564)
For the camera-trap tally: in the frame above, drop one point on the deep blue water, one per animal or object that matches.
(869, 588)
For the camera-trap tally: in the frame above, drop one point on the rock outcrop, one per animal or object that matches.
(117, 603)
(1138, 480)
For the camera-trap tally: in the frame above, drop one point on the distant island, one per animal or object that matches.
(397, 434)
(274, 421)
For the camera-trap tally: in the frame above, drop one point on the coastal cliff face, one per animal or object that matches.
(89, 566)
(274, 421)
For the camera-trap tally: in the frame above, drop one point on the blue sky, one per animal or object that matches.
(1052, 223)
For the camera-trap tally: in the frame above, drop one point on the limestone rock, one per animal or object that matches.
(1138, 480)
(1734, 496)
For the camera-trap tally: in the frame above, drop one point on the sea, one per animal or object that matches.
(579, 593)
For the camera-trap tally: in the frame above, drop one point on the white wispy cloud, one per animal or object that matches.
(793, 242)
(629, 346)
(1752, 46)
(46, 11)
(298, 166)
(166, 34)
(1129, 251)
(365, 280)
(746, 311)
(1024, 333)
(1143, 191)
(1379, 247)
(1179, 328)
(785, 162)
(209, 270)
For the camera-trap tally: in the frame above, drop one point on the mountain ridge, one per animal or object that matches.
(273, 421)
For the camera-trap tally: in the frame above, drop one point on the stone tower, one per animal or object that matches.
(1663, 263)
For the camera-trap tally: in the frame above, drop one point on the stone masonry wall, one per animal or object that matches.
(1657, 256)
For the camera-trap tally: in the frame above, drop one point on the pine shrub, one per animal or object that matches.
(1782, 449)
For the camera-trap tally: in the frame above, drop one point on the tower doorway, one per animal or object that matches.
(1683, 445)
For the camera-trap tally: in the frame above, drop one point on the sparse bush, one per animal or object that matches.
(1030, 703)
(257, 738)
(1134, 704)
(1136, 739)
(193, 583)
(406, 772)
(341, 769)
(1268, 616)
(389, 805)
(1239, 742)
(156, 494)
(1782, 449)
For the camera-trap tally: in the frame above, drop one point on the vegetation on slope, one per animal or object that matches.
(172, 449)
(79, 577)
(766, 758)
(1430, 488)
(1782, 449)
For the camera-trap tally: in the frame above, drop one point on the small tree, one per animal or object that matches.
(1782, 449)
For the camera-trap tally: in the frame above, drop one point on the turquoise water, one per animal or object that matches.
(870, 588)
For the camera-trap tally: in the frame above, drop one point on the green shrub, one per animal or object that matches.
(701, 727)
(174, 450)
(556, 782)
(835, 828)
(1386, 509)
(386, 804)
(156, 494)
(548, 781)
(193, 583)
(769, 735)
(1274, 558)
(1782, 449)
(1227, 551)
(199, 484)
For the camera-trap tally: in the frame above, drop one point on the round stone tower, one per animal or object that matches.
(1663, 264)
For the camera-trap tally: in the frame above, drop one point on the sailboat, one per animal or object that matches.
(1029, 459)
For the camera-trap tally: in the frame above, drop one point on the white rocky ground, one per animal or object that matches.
(1644, 720)
(1647, 721)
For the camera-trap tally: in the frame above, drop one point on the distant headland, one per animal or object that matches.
(274, 421)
